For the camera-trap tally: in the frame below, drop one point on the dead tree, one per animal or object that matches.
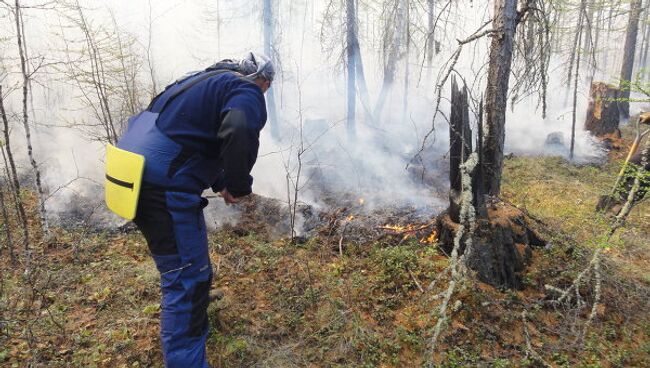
(578, 54)
(351, 52)
(104, 69)
(26, 83)
(430, 32)
(496, 94)
(394, 53)
(628, 57)
(460, 145)
(12, 174)
(269, 38)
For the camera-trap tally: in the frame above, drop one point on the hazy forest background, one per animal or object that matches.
(439, 183)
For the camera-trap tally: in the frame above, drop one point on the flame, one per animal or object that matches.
(431, 239)
(412, 230)
(399, 228)
(349, 218)
(362, 201)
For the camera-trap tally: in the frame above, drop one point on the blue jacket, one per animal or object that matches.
(206, 136)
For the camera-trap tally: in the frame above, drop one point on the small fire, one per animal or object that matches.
(361, 201)
(431, 239)
(349, 218)
(399, 228)
(414, 231)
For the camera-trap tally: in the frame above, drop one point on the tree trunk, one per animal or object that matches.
(268, 50)
(351, 41)
(430, 34)
(30, 151)
(12, 174)
(575, 86)
(576, 43)
(394, 54)
(7, 227)
(628, 58)
(603, 113)
(406, 64)
(643, 27)
(644, 56)
(496, 94)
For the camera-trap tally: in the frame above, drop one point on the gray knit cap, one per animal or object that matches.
(255, 65)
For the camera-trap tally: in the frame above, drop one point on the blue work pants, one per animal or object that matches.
(174, 227)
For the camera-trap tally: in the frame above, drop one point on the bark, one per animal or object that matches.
(505, 15)
(351, 40)
(269, 34)
(628, 58)
(25, 119)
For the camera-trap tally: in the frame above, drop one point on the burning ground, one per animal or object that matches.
(359, 287)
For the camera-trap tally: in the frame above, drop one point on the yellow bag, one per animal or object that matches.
(124, 171)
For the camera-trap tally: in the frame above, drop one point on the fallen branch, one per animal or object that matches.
(457, 267)
(529, 347)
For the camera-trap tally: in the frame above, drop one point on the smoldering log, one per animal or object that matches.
(603, 112)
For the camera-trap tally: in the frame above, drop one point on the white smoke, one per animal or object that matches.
(310, 91)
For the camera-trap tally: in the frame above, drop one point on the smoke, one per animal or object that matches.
(377, 165)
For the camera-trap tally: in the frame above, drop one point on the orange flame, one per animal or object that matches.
(431, 239)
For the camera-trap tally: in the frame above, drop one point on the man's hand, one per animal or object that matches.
(227, 197)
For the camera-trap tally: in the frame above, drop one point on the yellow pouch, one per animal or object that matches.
(124, 171)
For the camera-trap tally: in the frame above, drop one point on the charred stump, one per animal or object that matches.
(460, 145)
(603, 112)
(502, 244)
(501, 240)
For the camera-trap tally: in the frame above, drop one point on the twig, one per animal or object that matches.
(415, 280)
(529, 347)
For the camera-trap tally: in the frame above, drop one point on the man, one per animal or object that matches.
(201, 132)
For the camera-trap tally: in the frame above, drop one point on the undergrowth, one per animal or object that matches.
(93, 299)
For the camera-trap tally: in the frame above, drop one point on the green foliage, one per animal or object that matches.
(394, 264)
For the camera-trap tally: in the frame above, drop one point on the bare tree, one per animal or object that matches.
(394, 51)
(12, 174)
(351, 51)
(26, 85)
(269, 39)
(104, 70)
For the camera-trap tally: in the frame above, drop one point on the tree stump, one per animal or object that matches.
(502, 245)
(603, 112)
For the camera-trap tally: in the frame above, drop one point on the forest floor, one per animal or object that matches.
(92, 299)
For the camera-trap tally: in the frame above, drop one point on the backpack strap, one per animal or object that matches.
(166, 97)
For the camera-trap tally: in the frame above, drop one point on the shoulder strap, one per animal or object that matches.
(167, 98)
